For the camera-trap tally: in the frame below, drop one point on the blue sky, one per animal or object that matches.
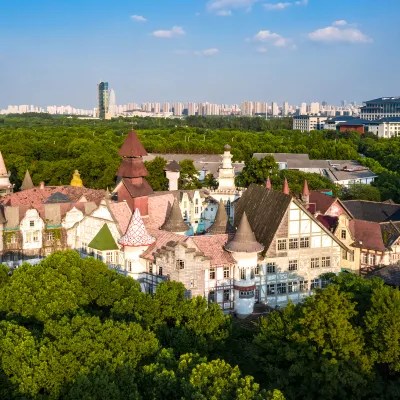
(221, 51)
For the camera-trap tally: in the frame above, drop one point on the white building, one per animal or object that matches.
(285, 109)
(307, 123)
(247, 108)
(275, 109)
(385, 127)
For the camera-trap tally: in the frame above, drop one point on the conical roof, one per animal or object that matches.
(173, 166)
(306, 191)
(221, 223)
(175, 222)
(27, 182)
(104, 240)
(132, 146)
(3, 169)
(136, 235)
(268, 185)
(286, 187)
(244, 240)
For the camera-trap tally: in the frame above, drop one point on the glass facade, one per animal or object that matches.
(102, 89)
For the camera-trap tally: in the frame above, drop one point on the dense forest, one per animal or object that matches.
(51, 147)
(73, 329)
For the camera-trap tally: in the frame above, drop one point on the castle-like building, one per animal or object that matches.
(235, 247)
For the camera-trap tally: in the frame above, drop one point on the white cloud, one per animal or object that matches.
(215, 5)
(174, 32)
(274, 38)
(341, 22)
(224, 13)
(261, 50)
(277, 6)
(301, 3)
(206, 52)
(138, 18)
(339, 32)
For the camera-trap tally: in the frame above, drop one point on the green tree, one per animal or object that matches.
(361, 191)
(210, 181)
(257, 171)
(157, 178)
(189, 177)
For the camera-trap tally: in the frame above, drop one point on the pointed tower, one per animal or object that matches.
(133, 188)
(244, 248)
(175, 223)
(221, 223)
(285, 189)
(5, 185)
(134, 242)
(226, 173)
(76, 179)
(27, 182)
(268, 185)
(306, 194)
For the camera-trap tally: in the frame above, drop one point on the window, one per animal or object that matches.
(109, 257)
(271, 268)
(227, 295)
(196, 210)
(246, 294)
(271, 290)
(129, 266)
(211, 296)
(12, 238)
(303, 286)
(196, 202)
(242, 274)
(160, 270)
(50, 236)
(344, 254)
(212, 273)
(180, 264)
(293, 287)
(228, 208)
(351, 256)
(372, 259)
(99, 255)
(343, 234)
(292, 265)
(304, 242)
(282, 244)
(193, 283)
(150, 268)
(31, 223)
(364, 258)
(252, 273)
(314, 262)
(281, 288)
(314, 283)
(293, 244)
(226, 272)
(326, 262)
(35, 236)
(212, 209)
(324, 284)
(257, 270)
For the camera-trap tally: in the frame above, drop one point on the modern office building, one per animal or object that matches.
(384, 107)
(306, 123)
(103, 100)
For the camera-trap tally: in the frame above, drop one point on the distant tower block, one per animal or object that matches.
(173, 173)
(76, 179)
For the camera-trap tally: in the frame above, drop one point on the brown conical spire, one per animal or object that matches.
(132, 146)
(306, 192)
(285, 187)
(27, 182)
(268, 184)
(174, 222)
(244, 241)
(221, 223)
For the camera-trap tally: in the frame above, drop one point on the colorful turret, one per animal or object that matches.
(76, 179)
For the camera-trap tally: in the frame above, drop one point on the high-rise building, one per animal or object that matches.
(303, 109)
(178, 109)
(275, 108)
(166, 108)
(102, 99)
(191, 108)
(112, 107)
(156, 108)
(285, 109)
(314, 108)
(247, 108)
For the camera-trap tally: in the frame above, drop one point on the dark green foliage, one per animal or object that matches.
(361, 191)
(189, 177)
(157, 179)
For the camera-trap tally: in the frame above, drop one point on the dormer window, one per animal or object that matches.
(31, 223)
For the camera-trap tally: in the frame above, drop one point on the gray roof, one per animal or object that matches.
(221, 223)
(265, 209)
(384, 100)
(244, 240)
(27, 182)
(303, 164)
(282, 157)
(373, 211)
(389, 274)
(174, 221)
(58, 197)
(172, 166)
(349, 172)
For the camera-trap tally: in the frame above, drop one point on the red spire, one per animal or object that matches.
(285, 187)
(306, 192)
(268, 184)
(132, 146)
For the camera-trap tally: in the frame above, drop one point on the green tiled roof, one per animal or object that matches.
(104, 240)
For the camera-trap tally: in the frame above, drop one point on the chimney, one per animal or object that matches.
(285, 187)
(306, 194)
(172, 171)
(41, 185)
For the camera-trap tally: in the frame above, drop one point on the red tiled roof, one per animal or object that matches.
(159, 207)
(329, 222)
(132, 146)
(322, 201)
(122, 213)
(367, 235)
(162, 238)
(212, 247)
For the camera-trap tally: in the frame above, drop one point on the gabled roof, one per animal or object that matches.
(389, 274)
(373, 211)
(103, 240)
(58, 198)
(213, 248)
(174, 221)
(221, 223)
(244, 240)
(27, 182)
(367, 235)
(265, 209)
(136, 235)
(132, 147)
(323, 202)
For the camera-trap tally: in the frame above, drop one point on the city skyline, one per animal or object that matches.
(220, 51)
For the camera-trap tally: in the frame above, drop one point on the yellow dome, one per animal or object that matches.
(76, 179)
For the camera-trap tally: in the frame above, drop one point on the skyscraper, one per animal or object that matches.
(112, 107)
(285, 109)
(275, 108)
(102, 96)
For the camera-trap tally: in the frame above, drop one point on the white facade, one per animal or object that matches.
(306, 123)
(386, 129)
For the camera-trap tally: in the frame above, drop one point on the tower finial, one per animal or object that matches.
(268, 185)
(76, 179)
(286, 187)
